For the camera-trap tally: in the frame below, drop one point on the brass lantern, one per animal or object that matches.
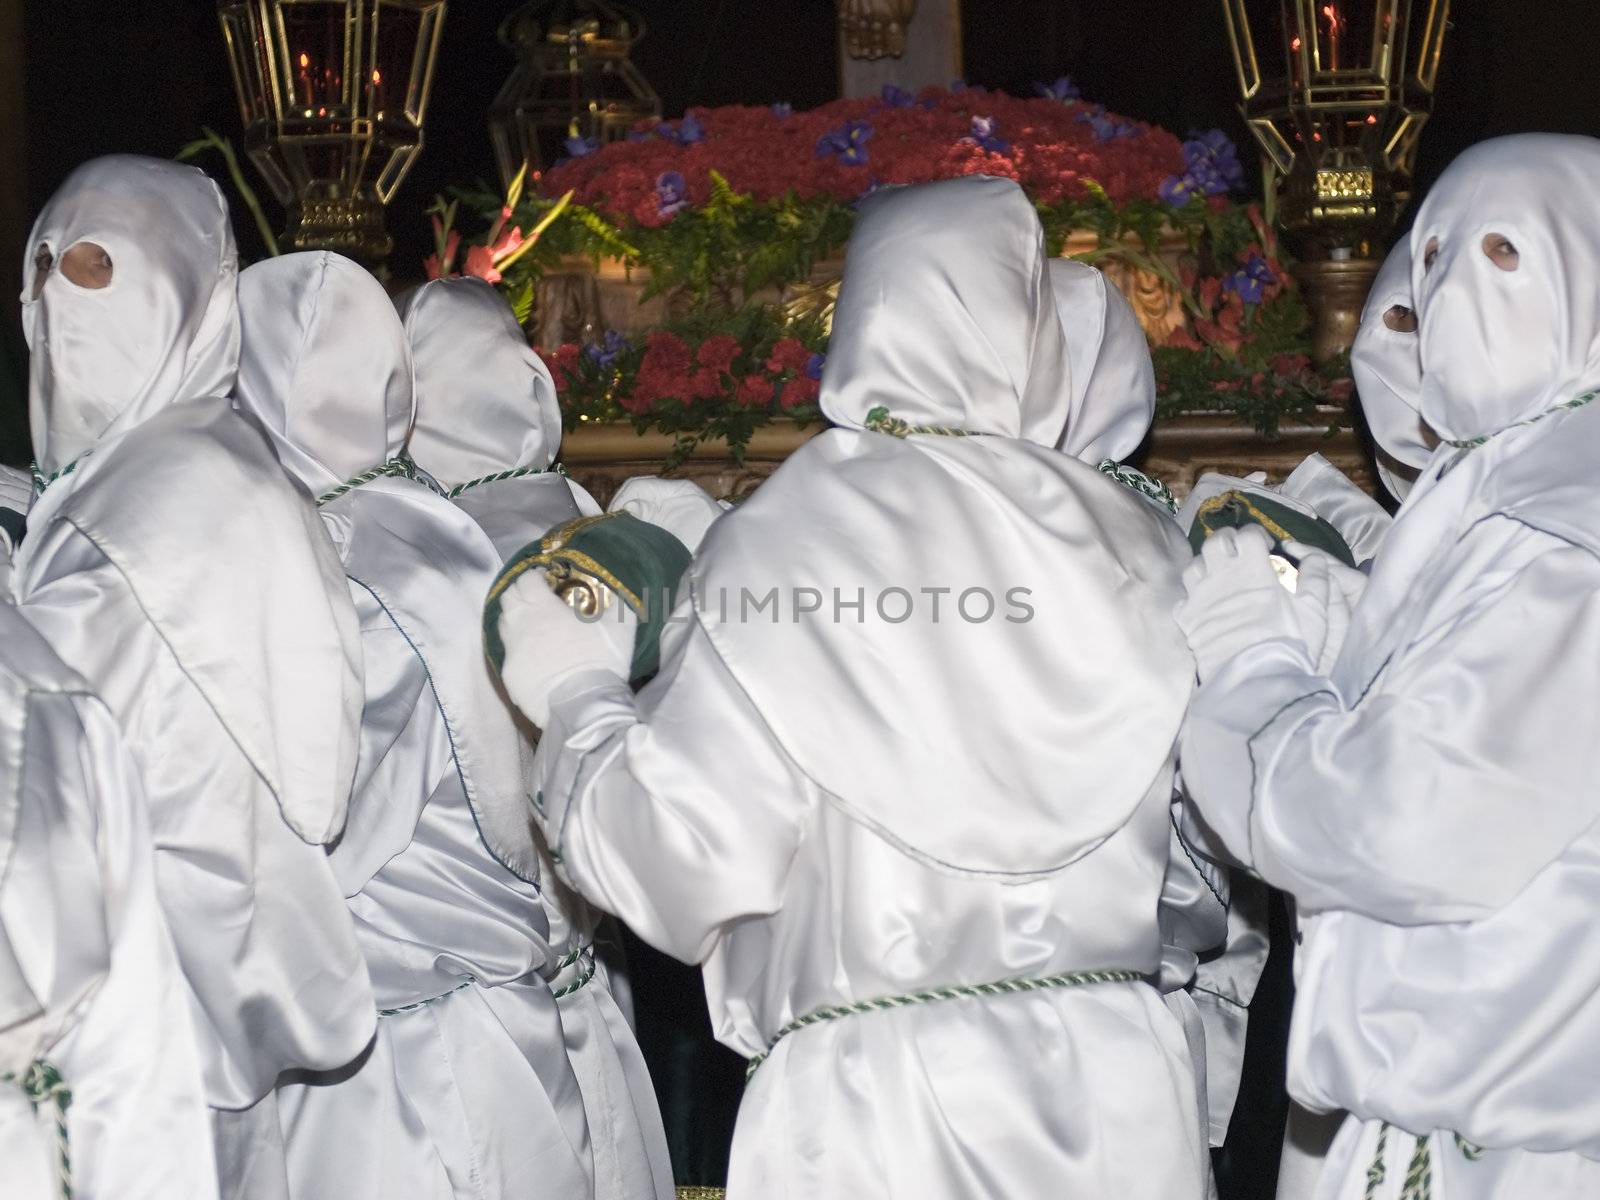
(333, 94)
(1336, 93)
(573, 79)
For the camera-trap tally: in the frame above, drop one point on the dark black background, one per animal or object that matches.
(143, 77)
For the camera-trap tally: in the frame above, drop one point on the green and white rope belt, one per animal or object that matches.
(583, 956)
(406, 1008)
(1418, 1182)
(41, 481)
(514, 473)
(1145, 485)
(401, 466)
(972, 991)
(1564, 406)
(42, 1084)
(879, 421)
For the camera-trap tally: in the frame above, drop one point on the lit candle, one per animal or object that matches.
(1334, 25)
(377, 91)
(305, 76)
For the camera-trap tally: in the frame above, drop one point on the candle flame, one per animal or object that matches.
(377, 77)
(1372, 119)
(1295, 45)
(305, 61)
(1332, 14)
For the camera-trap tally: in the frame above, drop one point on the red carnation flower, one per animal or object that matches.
(799, 391)
(788, 355)
(717, 352)
(754, 391)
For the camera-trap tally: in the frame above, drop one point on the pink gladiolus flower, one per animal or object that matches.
(508, 243)
(480, 262)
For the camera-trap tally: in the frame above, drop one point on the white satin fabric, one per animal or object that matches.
(165, 327)
(1112, 379)
(1430, 803)
(466, 1090)
(16, 489)
(189, 583)
(1387, 366)
(948, 322)
(680, 506)
(697, 811)
(485, 400)
(485, 405)
(89, 981)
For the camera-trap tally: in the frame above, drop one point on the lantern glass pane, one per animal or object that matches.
(1347, 35)
(394, 74)
(247, 53)
(316, 39)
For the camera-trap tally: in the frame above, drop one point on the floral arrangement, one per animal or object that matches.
(726, 207)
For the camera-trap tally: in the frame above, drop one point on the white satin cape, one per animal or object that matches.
(684, 811)
(89, 982)
(467, 1088)
(485, 408)
(178, 572)
(1430, 803)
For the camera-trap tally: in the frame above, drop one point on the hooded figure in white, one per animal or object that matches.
(1387, 364)
(101, 1093)
(171, 565)
(918, 856)
(487, 429)
(467, 1090)
(1430, 801)
(1113, 388)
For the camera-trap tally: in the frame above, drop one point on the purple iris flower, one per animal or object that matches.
(605, 353)
(1063, 90)
(1212, 161)
(848, 143)
(1106, 128)
(1251, 280)
(1176, 190)
(897, 97)
(580, 147)
(985, 132)
(672, 193)
(685, 133)
(783, 110)
(814, 366)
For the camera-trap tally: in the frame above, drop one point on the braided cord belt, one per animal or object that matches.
(401, 466)
(583, 957)
(1418, 1182)
(1564, 406)
(41, 481)
(879, 421)
(514, 473)
(42, 1084)
(973, 991)
(1145, 485)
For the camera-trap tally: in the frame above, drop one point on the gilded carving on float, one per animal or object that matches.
(875, 29)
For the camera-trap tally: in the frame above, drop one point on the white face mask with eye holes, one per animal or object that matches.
(1387, 366)
(1506, 251)
(128, 302)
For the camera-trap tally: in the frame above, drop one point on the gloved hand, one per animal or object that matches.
(1327, 594)
(547, 644)
(1234, 599)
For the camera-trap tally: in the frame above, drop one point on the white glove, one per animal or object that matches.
(1327, 595)
(1234, 599)
(547, 643)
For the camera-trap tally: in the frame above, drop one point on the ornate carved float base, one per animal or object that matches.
(602, 456)
(578, 301)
